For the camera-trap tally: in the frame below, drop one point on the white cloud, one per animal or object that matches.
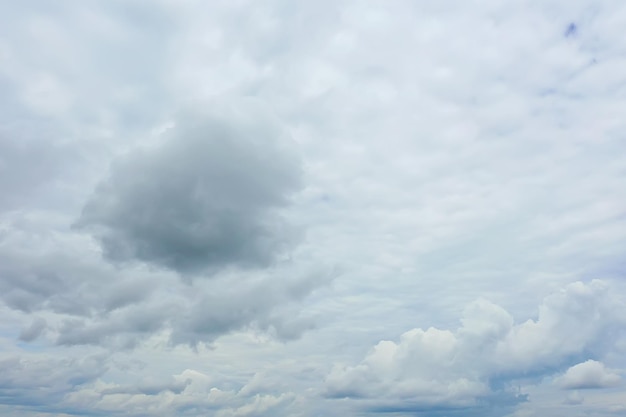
(588, 374)
(484, 357)
(574, 398)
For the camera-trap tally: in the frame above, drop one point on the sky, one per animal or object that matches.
(324, 208)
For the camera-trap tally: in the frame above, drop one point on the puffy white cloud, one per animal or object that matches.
(581, 317)
(482, 359)
(588, 374)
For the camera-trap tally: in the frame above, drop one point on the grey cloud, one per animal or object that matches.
(153, 388)
(208, 198)
(36, 328)
(28, 288)
(44, 272)
(199, 313)
(25, 165)
(260, 304)
(39, 164)
(190, 393)
(86, 301)
(45, 381)
(122, 328)
(126, 293)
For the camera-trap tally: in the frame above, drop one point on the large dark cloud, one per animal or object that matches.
(208, 197)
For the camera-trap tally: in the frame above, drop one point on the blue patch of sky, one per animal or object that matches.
(571, 30)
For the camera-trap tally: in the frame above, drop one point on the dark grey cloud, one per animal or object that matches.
(207, 198)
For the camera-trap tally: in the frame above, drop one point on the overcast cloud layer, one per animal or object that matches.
(312, 208)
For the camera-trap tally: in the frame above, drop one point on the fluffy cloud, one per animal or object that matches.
(206, 199)
(480, 361)
(589, 374)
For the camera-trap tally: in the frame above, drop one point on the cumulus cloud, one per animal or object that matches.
(479, 361)
(587, 375)
(208, 198)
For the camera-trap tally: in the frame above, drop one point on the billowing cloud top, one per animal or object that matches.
(304, 209)
(466, 367)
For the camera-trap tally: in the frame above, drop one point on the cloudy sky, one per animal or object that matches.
(323, 208)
